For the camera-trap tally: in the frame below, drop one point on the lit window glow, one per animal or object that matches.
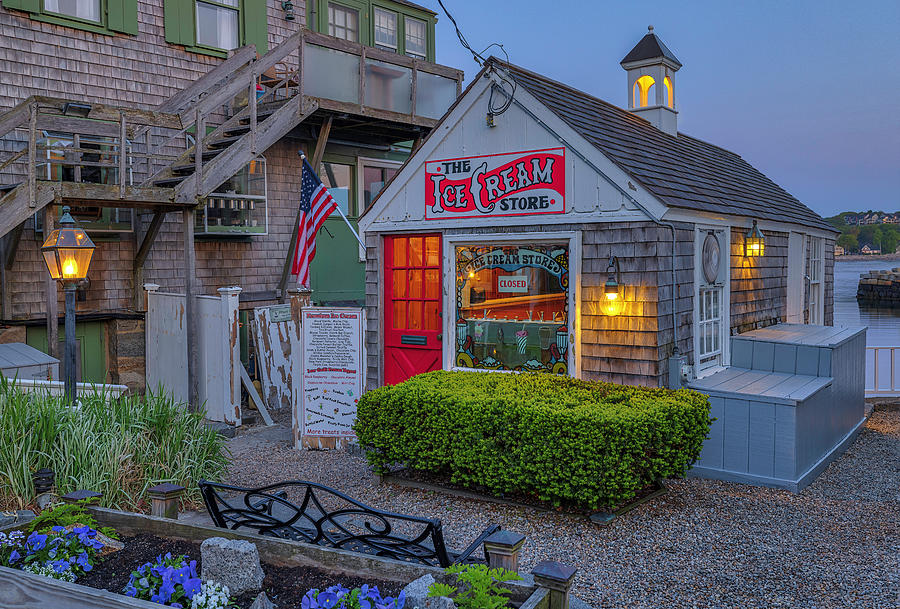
(641, 93)
(670, 97)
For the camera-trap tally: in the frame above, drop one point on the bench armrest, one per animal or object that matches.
(464, 556)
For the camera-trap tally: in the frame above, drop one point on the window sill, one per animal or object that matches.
(207, 51)
(97, 28)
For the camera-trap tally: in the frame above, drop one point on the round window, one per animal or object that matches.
(711, 258)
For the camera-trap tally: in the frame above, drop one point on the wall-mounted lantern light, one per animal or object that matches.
(288, 7)
(613, 301)
(68, 252)
(754, 242)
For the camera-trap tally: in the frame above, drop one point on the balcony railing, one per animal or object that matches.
(883, 371)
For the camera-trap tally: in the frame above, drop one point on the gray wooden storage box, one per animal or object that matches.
(792, 400)
(22, 362)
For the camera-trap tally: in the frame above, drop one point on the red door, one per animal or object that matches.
(412, 306)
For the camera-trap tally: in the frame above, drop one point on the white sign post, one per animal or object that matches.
(332, 373)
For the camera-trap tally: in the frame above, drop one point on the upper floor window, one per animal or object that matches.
(81, 9)
(218, 24)
(343, 22)
(385, 29)
(416, 43)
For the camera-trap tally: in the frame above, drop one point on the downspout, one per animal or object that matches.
(676, 360)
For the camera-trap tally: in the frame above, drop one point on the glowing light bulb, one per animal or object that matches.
(471, 274)
(612, 295)
(69, 267)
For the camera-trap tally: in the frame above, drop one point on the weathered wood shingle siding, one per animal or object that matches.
(758, 284)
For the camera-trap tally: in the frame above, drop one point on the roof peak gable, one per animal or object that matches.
(648, 48)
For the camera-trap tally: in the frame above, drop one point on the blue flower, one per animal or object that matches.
(192, 587)
(60, 566)
(84, 562)
(309, 600)
(14, 556)
(327, 600)
(130, 590)
(36, 541)
(58, 529)
(193, 566)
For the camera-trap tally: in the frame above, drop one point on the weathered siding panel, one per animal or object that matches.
(758, 284)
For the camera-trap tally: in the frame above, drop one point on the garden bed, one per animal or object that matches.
(285, 586)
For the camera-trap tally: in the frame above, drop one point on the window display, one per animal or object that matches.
(512, 307)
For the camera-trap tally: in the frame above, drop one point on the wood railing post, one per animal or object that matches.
(198, 151)
(32, 154)
(557, 578)
(251, 99)
(164, 500)
(503, 548)
(122, 157)
(300, 68)
(415, 84)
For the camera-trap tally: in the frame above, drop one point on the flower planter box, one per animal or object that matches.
(21, 590)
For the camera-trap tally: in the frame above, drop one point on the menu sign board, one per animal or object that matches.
(510, 184)
(333, 369)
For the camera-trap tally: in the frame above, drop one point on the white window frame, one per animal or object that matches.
(378, 12)
(50, 10)
(573, 241)
(815, 270)
(334, 7)
(406, 21)
(723, 283)
(219, 4)
(361, 163)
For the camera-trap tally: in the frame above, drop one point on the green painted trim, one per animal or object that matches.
(92, 345)
(87, 26)
(207, 51)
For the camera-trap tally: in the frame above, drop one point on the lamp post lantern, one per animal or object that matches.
(67, 253)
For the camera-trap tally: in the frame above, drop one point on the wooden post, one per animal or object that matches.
(76, 141)
(10, 247)
(141, 257)
(300, 297)
(413, 92)
(32, 154)
(557, 578)
(164, 500)
(251, 100)
(52, 302)
(198, 153)
(502, 549)
(122, 156)
(93, 497)
(190, 309)
(362, 78)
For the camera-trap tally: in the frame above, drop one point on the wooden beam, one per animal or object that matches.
(52, 303)
(12, 246)
(190, 310)
(386, 115)
(76, 124)
(254, 395)
(141, 256)
(16, 117)
(186, 96)
(324, 130)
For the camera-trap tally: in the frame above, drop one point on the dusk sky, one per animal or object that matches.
(807, 92)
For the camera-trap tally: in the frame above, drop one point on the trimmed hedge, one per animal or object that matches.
(556, 438)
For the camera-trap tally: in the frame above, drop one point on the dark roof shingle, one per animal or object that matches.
(650, 47)
(680, 171)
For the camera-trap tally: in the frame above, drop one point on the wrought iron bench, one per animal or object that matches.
(327, 517)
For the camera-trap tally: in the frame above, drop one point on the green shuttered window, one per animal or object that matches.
(216, 26)
(101, 16)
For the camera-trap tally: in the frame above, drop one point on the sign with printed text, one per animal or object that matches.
(510, 184)
(333, 367)
(513, 283)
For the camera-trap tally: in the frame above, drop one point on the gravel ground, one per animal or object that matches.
(704, 544)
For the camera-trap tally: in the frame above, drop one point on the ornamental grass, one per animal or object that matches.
(119, 447)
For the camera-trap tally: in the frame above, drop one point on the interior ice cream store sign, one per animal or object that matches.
(511, 184)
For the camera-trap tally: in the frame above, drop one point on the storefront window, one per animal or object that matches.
(512, 307)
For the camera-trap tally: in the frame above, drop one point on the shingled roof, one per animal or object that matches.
(680, 171)
(650, 47)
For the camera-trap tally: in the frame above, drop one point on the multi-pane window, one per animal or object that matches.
(374, 179)
(82, 9)
(385, 29)
(338, 179)
(710, 326)
(218, 24)
(343, 22)
(238, 206)
(816, 270)
(415, 37)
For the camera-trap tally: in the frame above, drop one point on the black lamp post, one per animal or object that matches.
(67, 253)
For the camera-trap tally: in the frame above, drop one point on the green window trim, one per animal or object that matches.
(180, 20)
(116, 16)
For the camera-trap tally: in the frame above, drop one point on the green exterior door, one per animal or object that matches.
(90, 355)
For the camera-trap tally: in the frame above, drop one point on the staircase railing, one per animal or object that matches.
(883, 375)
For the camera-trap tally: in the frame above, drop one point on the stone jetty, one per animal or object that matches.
(880, 287)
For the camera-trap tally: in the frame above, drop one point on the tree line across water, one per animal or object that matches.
(884, 237)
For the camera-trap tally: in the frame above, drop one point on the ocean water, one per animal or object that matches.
(883, 323)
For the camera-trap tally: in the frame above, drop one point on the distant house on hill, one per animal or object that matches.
(891, 219)
(868, 249)
(838, 250)
(851, 219)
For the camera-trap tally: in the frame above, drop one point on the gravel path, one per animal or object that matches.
(704, 544)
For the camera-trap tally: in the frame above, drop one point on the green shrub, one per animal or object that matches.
(559, 439)
(479, 584)
(119, 448)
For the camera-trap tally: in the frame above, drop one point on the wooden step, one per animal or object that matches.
(6, 188)
(261, 115)
(223, 142)
(188, 167)
(169, 182)
(238, 130)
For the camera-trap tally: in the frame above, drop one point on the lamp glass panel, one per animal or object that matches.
(52, 263)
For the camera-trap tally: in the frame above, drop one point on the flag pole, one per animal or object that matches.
(350, 226)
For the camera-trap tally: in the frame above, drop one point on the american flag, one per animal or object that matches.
(316, 204)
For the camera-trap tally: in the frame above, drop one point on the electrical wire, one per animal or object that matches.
(509, 84)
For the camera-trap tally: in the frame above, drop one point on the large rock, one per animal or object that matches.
(234, 563)
(417, 596)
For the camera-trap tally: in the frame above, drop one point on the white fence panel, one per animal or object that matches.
(883, 371)
(218, 344)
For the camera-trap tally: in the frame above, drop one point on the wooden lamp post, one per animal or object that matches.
(67, 253)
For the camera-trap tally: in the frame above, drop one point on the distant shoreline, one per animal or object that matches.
(875, 257)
